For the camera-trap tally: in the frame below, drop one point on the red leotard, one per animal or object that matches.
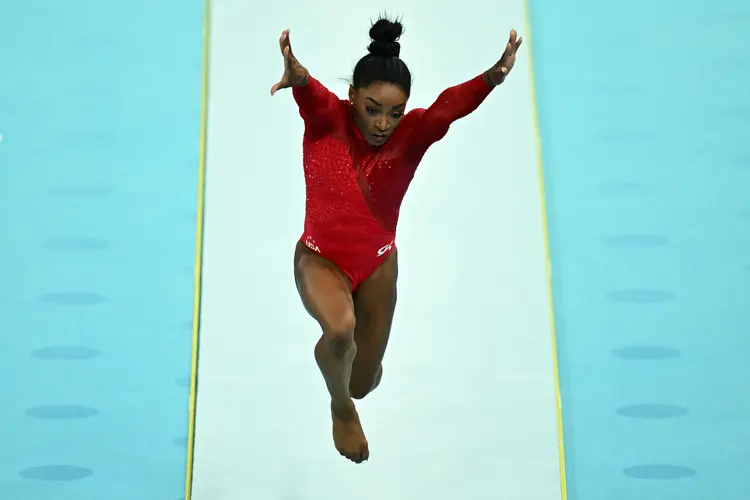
(354, 190)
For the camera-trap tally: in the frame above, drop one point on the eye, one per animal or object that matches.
(397, 115)
(372, 111)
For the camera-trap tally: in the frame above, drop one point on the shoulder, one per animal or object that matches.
(411, 119)
(342, 111)
(334, 125)
(415, 114)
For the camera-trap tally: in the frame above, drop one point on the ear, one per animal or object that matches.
(352, 93)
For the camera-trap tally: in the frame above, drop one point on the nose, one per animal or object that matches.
(381, 125)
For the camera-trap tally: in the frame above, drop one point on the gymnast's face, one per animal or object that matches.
(378, 109)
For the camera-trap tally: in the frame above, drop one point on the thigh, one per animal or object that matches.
(325, 291)
(374, 306)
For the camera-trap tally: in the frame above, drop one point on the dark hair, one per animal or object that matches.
(382, 64)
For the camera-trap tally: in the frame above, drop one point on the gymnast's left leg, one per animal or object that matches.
(374, 305)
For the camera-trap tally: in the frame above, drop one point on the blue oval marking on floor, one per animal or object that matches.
(91, 137)
(629, 137)
(76, 243)
(61, 412)
(81, 191)
(743, 162)
(641, 296)
(73, 298)
(736, 112)
(634, 240)
(659, 471)
(628, 188)
(67, 352)
(57, 473)
(622, 88)
(646, 352)
(652, 411)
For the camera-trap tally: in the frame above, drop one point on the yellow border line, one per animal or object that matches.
(538, 141)
(198, 249)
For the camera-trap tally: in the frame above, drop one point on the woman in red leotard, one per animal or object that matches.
(359, 156)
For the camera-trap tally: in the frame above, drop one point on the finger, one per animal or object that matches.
(283, 40)
(513, 36)
(278, 87)
(520, 41)
(289, 43)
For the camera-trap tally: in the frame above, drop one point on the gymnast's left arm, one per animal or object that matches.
(457, 102)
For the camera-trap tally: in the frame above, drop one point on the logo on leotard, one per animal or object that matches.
(310, 243)
(387, 248)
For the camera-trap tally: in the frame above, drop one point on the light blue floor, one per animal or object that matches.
(99, 115)
(645, 119)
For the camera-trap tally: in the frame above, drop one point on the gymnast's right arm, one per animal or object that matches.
(317, 105)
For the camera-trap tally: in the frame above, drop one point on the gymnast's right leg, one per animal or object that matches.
(326, 294)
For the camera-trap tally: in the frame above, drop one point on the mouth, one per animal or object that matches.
(380, 137)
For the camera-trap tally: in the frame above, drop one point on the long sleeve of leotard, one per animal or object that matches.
(318, 106)
(452, 104)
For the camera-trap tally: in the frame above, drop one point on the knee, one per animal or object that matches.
(358, 390)
(338, 335)
(361, 385)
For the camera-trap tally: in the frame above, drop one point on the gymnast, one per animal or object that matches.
(359, 157)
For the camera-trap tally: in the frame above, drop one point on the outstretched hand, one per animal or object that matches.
(294, 73)
(497, 74)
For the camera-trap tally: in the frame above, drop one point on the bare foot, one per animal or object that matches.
(348, 436)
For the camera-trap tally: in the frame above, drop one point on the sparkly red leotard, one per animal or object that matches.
(354, 190)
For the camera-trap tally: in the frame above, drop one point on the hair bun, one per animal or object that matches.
(384, 49)
(384, 34)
